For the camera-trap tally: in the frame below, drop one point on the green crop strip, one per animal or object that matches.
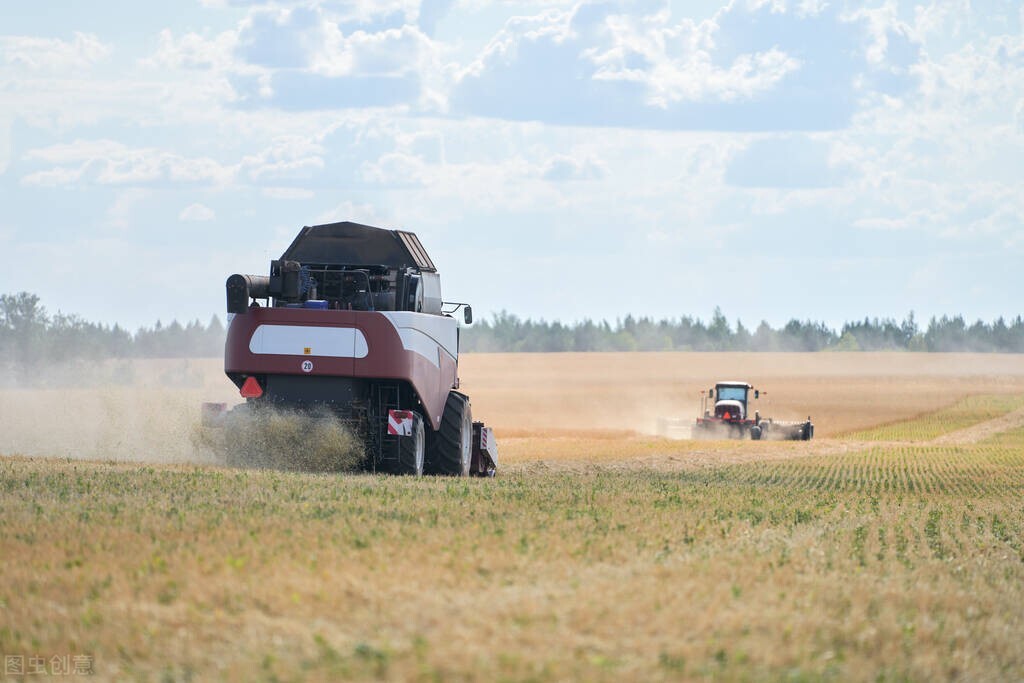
(965, 413)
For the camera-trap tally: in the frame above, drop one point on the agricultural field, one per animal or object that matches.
(890, 548)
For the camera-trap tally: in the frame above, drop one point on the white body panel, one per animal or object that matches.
(426, 335)
(294, 340)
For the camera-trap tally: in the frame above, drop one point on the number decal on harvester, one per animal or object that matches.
(307, 366)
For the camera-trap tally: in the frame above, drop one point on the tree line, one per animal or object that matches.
(30, 336)
(508, 332)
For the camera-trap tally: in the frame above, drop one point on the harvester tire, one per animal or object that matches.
(411, 449)
(755, 433)
(450, 449)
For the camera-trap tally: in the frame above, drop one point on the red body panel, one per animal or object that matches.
(386, 357)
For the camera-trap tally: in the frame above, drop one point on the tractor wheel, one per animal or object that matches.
(755, 433)
(450, 449)
(411, 449)
(807, 432)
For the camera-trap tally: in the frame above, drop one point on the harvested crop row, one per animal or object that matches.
(989, 468)
(897, 561)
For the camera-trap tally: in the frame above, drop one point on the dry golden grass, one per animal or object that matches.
(599, 407)
(885, 564)
(600, 398)
(841, 391)
(598, 553)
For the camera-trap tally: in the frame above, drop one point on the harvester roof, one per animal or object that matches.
(353, 244)
(734, 384)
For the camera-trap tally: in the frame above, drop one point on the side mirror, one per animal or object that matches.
(467, 315)
(757, 394)
(711, 393)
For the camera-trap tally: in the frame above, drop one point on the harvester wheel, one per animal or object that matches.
(450, 450)
(755, 433)
(411, 449)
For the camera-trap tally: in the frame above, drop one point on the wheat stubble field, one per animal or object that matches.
(890, 548)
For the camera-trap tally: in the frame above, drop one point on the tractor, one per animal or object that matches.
(725, 413)
(350, 321)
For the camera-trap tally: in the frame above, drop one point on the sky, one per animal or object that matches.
(811, 159)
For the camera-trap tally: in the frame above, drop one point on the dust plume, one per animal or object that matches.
(280, 439)
(126, 423)
(149, 411)
(128, 410)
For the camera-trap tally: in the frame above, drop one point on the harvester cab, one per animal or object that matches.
(352, 323)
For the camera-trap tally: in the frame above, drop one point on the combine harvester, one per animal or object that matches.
(725, 414)
(353, 325)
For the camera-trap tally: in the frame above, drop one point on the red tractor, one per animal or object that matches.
(350, 321)
(725, 412)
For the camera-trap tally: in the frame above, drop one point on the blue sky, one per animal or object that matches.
(778, 159)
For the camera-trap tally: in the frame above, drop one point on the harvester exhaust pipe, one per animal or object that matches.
(242, 288)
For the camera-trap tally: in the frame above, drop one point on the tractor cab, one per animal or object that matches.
(731, 400)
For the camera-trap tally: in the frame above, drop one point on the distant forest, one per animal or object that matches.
(507, 332)
(29, 335)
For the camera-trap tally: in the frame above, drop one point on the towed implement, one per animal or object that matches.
(725, 414)
(352, 324)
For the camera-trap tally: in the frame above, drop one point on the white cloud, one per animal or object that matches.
(196, 213)
(881, 22)
(193, 51)
(676, 62)
(287, 156)
(119, 214)
(749, 66)
(366, 11)
(932, 156)
(325, 40)
(396, 169)
(697, 79)
(5, 143)
(53, 54)
(810, 8)
(79, 150)
(564, 167)
(107, 162)
(292, 193)
(297, 56)
(357, 212)
(922, 219)
(552, 24)
(358, 11)
(392, 52)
